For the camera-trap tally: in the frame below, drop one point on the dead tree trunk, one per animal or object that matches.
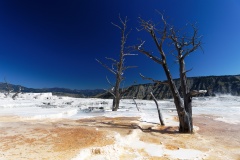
(182, 115)
(187, 98)
(116, 100)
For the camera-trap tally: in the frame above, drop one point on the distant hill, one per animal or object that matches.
(55, 91)
(213, 84)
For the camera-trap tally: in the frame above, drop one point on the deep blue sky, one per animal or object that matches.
(54, 43)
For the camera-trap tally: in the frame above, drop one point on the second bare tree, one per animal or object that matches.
(118, 66)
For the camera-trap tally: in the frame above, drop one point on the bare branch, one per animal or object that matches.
(164, 32)
(126, 36)
(104, 65)
(153, 80)
(195, 41)
(110, 92)
(115, 61)
(146, 25)
(123, 22)
(109, 82)
(127, 67)
(195, 47)
(172, 53)
(116, 25)
(178, 45)
(201, 48)
(130, 54)
(155, 59)
(114, 64)
(124, 90)
(187, 71)
(150, 27)
(140, 46)
(186, 45)
(139, 29)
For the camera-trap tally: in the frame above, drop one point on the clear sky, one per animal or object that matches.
(54, 43)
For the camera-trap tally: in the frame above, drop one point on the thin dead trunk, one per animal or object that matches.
(158, 109)
(135, 103)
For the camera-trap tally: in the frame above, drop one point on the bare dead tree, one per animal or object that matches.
(118, 66)
(184, 46)
(17, 93)
(8, 88)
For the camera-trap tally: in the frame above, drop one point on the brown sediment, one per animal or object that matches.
(145, 138)
(48, 141)
(224, 138)
(171, 147)
(228, 134)
(75, 138)
(63, 139)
